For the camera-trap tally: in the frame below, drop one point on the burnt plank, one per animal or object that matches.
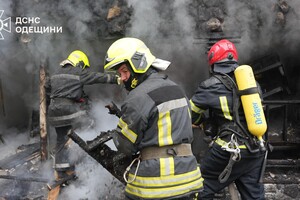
(19, 158)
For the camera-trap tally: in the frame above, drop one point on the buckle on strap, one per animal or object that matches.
(233, 148)
(166, 151)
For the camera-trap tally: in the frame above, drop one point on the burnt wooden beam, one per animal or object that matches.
(114, 162)
(20, 178)
(43, 112)
(2, 99)
(19, 158)
(61, 181)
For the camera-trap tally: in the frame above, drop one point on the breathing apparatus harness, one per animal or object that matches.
(243, 135)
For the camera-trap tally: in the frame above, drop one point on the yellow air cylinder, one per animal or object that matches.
(251, 102)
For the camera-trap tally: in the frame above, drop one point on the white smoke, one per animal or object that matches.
(169, 31)
(167, 28)
(12, 141)
(93, 182)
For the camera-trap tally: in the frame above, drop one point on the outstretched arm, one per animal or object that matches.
(89, 78)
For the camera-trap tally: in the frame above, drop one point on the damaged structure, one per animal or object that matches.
(265, 33)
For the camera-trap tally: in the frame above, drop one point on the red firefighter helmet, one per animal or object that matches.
(222, 51)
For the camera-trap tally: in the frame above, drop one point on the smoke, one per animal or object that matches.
(21, 56)
(168, 30)
(12, 141)
(172, 29)
(93, 182)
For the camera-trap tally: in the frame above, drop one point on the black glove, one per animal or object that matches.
(113, 109)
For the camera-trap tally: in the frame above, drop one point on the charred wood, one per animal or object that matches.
(113, 161)
(20, 178)
(61, 181)
(20, 158)
(43, 109)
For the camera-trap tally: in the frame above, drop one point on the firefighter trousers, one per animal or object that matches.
(62, 162)
(245, 173)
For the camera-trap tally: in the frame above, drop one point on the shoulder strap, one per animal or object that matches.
(211, 81)
(230, 84)
(225, 80)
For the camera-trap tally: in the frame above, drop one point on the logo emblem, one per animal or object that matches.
(5, 25)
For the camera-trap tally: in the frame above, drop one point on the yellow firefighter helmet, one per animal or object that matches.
(78, 59)
(130, 50)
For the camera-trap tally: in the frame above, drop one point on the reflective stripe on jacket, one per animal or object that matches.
(213, 95)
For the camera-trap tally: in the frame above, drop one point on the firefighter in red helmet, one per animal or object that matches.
(223, 57)
(234, 154)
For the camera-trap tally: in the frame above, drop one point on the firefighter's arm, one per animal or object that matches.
(200, 103)
(122, 143)
(130, 128)
(89, 78)
(198, 108)
(196, 115)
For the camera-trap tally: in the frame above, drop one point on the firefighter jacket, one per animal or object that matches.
(155, 116)
(212, 95)
(68, 104)
(218, 98)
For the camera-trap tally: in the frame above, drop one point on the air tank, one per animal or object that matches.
(251, 102)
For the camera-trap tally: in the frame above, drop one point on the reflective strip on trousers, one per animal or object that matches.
(62, 165)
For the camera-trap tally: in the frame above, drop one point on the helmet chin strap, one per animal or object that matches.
(128, 85)
(135, 79)
(81, 64)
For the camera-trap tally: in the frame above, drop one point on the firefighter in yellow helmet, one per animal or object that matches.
(154, 125)
(69, 104)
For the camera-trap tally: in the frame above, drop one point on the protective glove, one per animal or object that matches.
(114, 78)
(113, 109)
(119, 81)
